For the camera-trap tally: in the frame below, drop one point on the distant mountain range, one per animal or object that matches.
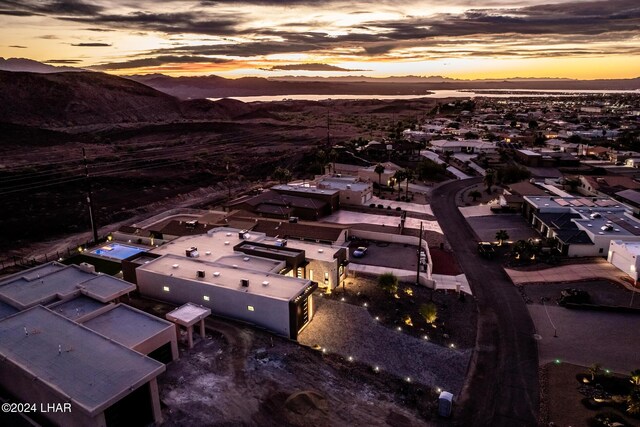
(90, 86)
(218, 87)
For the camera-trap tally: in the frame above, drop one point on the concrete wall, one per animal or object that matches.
(29, 389)
(268, 313)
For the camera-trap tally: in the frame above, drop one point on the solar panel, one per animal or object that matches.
(562, 202)
(586, 202)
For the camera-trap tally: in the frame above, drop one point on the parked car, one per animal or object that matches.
(574, 296)
(360, 251)
(486, 249)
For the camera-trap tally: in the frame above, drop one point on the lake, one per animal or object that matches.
(491, 93)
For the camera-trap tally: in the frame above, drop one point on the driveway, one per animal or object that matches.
(350, 331)
(393, 255)
(566, 273)
(486, 227)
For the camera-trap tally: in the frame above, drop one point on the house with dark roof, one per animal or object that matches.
(582, 226)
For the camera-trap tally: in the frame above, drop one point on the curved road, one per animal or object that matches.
(502, 387)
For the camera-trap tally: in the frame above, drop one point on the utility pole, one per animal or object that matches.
(419, 250)
(328, 134)
(94, 228)
(228, 184)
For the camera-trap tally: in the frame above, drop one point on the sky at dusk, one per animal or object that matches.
(268, 38)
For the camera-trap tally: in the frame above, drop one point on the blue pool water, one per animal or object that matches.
(117, 251)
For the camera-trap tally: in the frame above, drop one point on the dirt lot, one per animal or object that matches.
(601, 292)
(239, 375)
(44, 191)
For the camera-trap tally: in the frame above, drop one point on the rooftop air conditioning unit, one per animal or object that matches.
(265, 283)
(192, 252)
(242, 234)
(175, 266)
(281, 242)
(216, 274)
(244, 282)
(200, 274)
(293, 219)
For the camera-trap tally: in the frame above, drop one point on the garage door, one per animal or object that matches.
(623, 262)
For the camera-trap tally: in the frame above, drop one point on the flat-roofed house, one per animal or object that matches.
(281, 304)
(75, 376)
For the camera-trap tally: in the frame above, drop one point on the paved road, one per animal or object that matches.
(502, 388)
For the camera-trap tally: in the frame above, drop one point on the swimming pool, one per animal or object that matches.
(117, 251)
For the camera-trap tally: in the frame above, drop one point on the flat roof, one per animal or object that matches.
(278, 287)
(35, 288)
(105, 288)
(188, 314)
(6, 310)
(77, 307)
(343, 184)
(252, 262)
(610, 225)
(305, 190)
(31, 289)
(127, 325)
(214, 241)
(312, 250)
(93, 371)
(529, 153)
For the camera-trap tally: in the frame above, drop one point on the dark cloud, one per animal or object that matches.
(16, 13)
(91, 44)
(62, 61)
(51, 7)
(18, 46)
(159, 61)
(170, 23)
(309, 67)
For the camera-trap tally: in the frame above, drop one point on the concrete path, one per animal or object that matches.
(567, 273)
(350, 331)
(451, 283)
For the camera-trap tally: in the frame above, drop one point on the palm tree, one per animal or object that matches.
(595, 370)
(489, 179)
(501, 236)
(475, 194)
(408, 176)
(379, 169)
(400, 176)
(635, 378)
(633, 401)
(282, 175)
(332, 157)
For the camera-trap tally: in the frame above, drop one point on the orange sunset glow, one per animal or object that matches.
(459, 39)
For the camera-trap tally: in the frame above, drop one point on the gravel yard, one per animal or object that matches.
(351, 331)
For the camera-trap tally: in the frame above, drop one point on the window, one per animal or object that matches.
(326, 276)
(341, 270)
(165, 288)
(250, 308)
(205, 297)
(300, 273)
(311, 275)
(601, 250)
